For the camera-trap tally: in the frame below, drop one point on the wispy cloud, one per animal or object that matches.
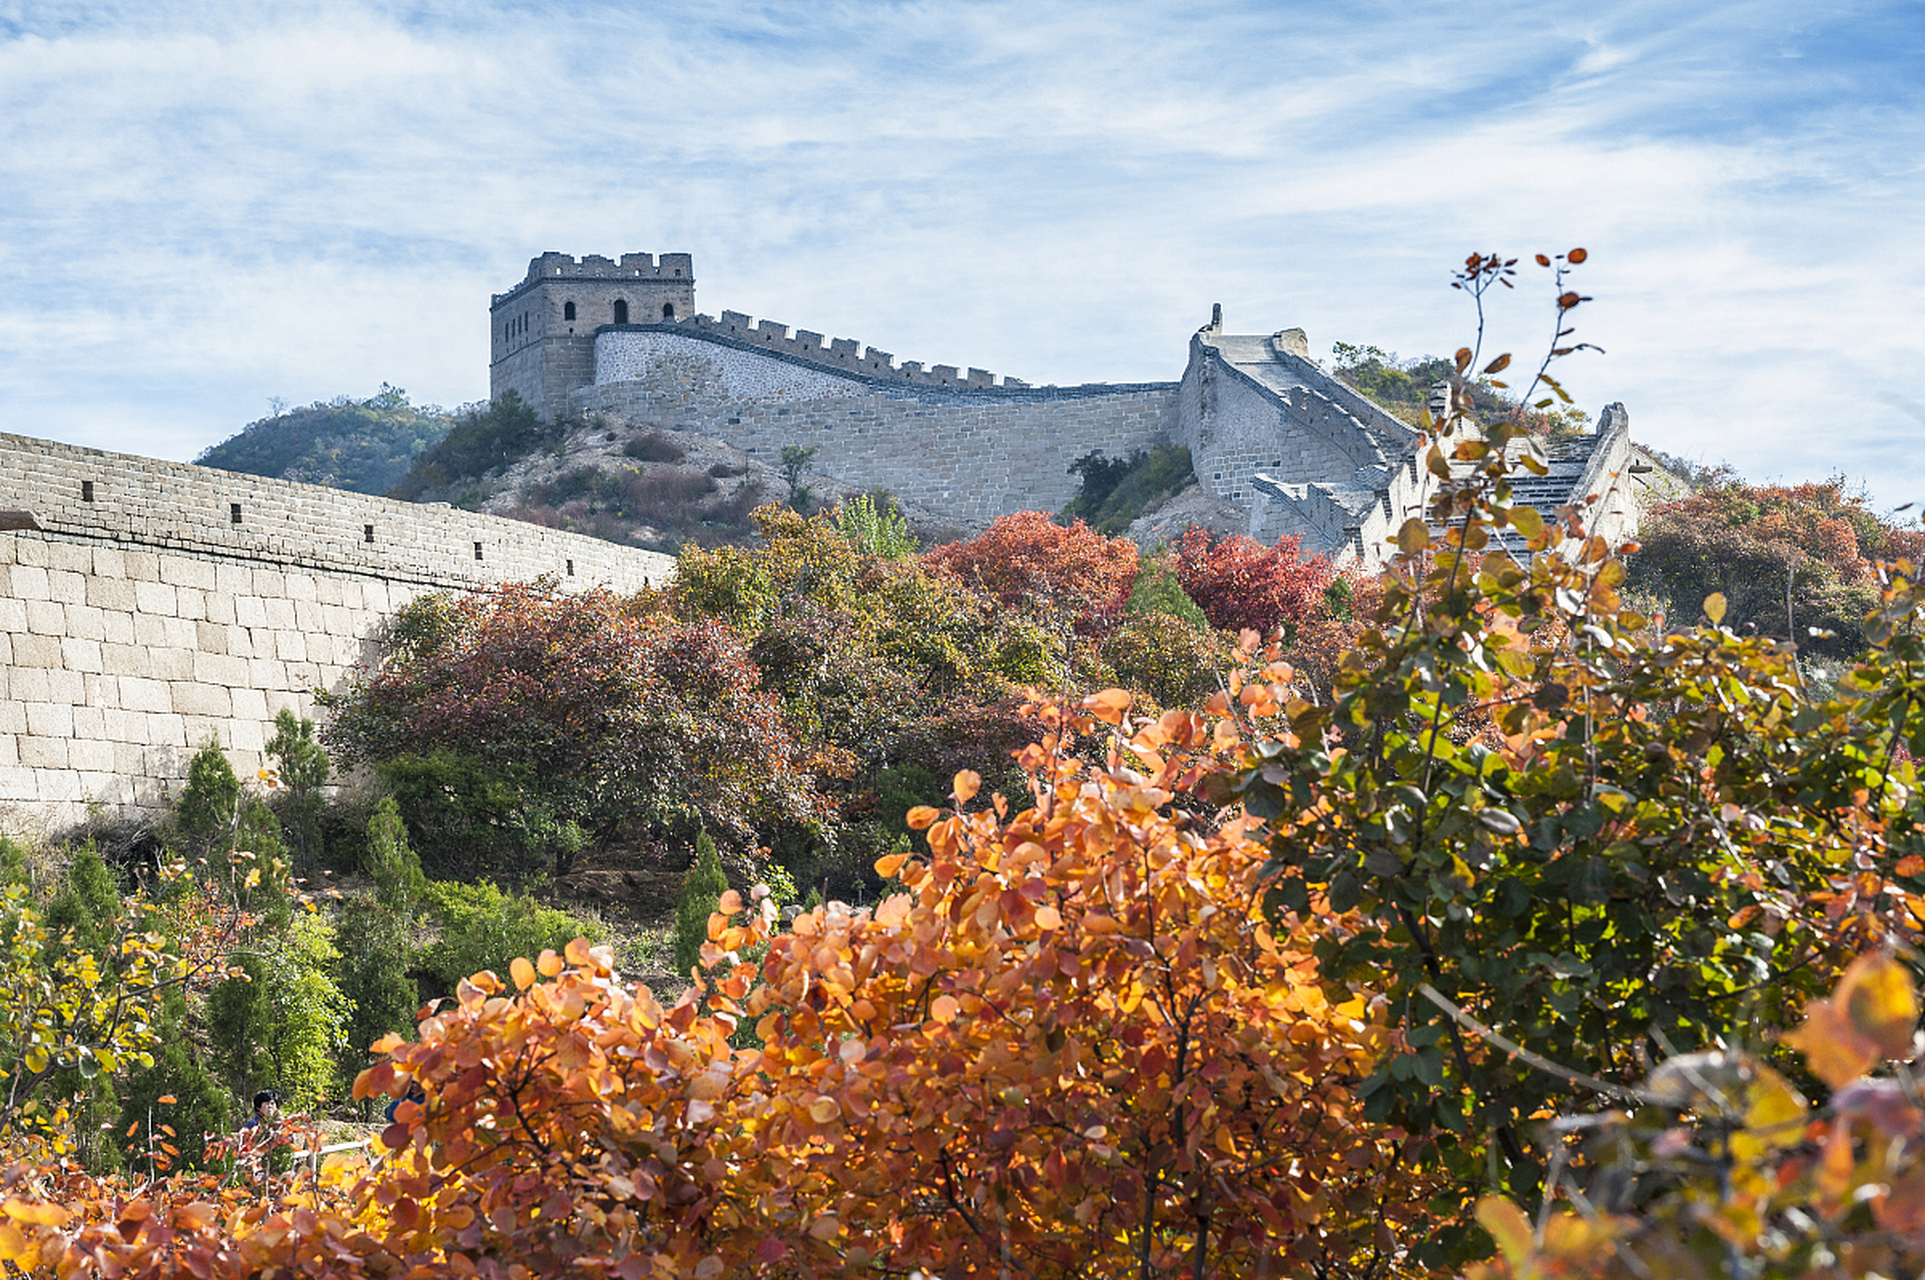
(202, 206)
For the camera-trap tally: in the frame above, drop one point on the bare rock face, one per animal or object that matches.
(1192, 506)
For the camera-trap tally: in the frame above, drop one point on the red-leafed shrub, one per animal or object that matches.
(1028, 558)
(1239, 583)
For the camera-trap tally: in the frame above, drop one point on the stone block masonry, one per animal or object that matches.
(147, 607)
(973, 452)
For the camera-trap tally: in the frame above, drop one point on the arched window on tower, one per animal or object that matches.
(668, 311)
(621, 311)
(568, 311)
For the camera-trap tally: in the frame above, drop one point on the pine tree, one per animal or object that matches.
(374, 935)
(702, 891)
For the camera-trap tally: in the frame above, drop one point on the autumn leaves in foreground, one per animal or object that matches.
(1068, 1040)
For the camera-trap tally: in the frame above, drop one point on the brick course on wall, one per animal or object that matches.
(140, 624)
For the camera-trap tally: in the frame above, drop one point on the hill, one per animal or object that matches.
(365, 446)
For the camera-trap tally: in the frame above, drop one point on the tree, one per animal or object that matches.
(1069, 1044)
(1027, 560)
(376, 948)
(280, 1020)
(303, 769)
(1558, 822)
(583, 715)
(1242, 585)
(796, 463)
(1786, 558)
(875, 527)
(1724, 1168)
(702, 888)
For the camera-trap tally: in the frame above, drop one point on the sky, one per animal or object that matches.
(205, 207)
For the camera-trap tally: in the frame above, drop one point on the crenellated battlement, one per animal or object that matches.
(676, 267)
(847, 355)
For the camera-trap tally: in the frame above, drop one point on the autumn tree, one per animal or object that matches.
(1068, 1043)
(1027, 558)
(1240, 584)
(580, 714)
(1716, 1164)
(1787, 559)
(1558, 822)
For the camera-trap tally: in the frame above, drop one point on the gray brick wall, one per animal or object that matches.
(141, 624)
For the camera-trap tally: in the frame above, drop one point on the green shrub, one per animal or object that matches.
(480, 927)
(281, 1023)
(374, 935)
(1115, 491)
(702, 889)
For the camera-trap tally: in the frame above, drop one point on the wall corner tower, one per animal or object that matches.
(542, 331)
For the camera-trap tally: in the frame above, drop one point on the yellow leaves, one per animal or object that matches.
(825, 1110)
(39, 1215)
(1774, 1115)
(921, 817)
(1109, 705)
(522, 972)
(965, 785)
(889, 864)
(1048, 919)
(944, 1008)
(550, 965)
(16, 1248)
(1871, 1015)
(1509, 1227)
(1414, 535)
(1714, 607)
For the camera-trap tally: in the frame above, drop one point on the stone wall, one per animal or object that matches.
(541, 352)
(141, 618)
(973, 452)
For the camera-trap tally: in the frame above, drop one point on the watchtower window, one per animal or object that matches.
(367, 533)
(477, 551)
(668, 311)
(233, 513)
(86, 491)
(571, 568)
(621, 311)
(568, 311)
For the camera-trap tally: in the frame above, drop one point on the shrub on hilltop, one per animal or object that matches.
(362, 445)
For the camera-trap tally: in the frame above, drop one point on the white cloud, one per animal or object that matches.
(200, 208)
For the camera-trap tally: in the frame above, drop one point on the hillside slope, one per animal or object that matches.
(365, 446)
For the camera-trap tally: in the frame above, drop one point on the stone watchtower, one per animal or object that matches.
(543, 329)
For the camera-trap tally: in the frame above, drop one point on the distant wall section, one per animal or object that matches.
(157, 606)
(977, 451)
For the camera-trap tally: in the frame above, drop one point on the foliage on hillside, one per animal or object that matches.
(481, 439)
(1786, 558)
(568, 715)
(1115, 491)
(363, 445)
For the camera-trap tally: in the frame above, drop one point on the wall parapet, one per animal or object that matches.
(871, 369)
(676, 267)
(146, 502)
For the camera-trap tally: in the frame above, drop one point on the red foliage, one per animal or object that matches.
(1241, 584)
(612, 715)
(1029, 557)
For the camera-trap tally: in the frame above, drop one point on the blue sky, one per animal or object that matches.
(203, 206)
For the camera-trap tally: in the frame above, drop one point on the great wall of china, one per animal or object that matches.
(148, 607)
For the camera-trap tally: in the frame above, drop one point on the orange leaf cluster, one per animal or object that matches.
(1069, 1045)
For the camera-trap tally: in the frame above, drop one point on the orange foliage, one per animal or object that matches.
(1027, 556)
(1070, 1045)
